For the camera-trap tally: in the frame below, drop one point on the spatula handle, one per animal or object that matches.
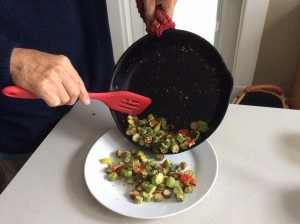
(18, 92)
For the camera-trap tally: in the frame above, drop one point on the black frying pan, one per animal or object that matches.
(182, 73)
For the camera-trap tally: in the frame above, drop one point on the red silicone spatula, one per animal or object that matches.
(122, 101)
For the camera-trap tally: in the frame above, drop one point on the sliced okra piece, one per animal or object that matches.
(148, 139)
(194, 125)
(157, 179)
(167, 193)
(157, 197)
(175, 148)
(133, 194)
(138, 199)
(119, 153)
(170, 182)
(150, 188)
(157, 127)
(147, 196)
(152, 123)
(135, 137)
(143, 122)
(161, 187)
(113, 176)
(202, 126)
(195, 135)
(150, 117)
(184, 145)
(167, 164)
(141, 142)
(189, 189)
(180, 138)
(183, 165)
(159, 157)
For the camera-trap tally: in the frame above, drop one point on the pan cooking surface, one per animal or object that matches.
(182, 73)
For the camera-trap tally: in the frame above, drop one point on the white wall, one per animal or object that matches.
(197, 16)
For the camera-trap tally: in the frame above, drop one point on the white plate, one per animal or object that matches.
(115, 195)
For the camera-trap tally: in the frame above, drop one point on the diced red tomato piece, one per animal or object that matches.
(184, 132)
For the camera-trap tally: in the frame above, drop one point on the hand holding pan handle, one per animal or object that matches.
(159, 20)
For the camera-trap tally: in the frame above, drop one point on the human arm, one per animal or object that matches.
(50, 77)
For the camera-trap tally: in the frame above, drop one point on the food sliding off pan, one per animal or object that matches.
(183, 74)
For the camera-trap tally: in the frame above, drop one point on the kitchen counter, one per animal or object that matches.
(258, 180)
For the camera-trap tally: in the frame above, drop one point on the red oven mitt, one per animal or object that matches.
(161, 20)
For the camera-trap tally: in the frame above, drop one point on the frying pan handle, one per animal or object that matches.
(264, 87)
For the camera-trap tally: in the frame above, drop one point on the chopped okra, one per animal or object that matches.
(153, 132)
(152, 180)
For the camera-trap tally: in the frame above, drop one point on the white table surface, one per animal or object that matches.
(258, 181)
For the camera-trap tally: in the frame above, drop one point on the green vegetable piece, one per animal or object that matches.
(183, 165)
(133, 194)
(195, 135)
(145, 184)
(113, 176)
(139, 154)
(161, 187)
(150, 117)
(147, 196)
(148, 167)
(143, 121)
(131, 121)
(167, 164)
(159, 157)
(119, 153)
(167, 193)
(157, 127)
(136, 162)
(202, 126)
(180, 198)
(180, 138)
(175, 148)
(143, 131)
(135, 137)
(141, 142)
(178, 191)
(165, 171)
(170, 182)
(176, 184)
(138, 199)
(150, 188)
(127, 173)
(148, 139)
(184, 145)
(107, 161)
(194, 126)
(157, 197)
(189, 189)
(153, 172)
(157, 179)
(143, 159)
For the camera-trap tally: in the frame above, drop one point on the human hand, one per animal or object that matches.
(157, 14)
(150, 6)
(50, 77)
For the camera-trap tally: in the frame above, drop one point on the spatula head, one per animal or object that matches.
(125, 102)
